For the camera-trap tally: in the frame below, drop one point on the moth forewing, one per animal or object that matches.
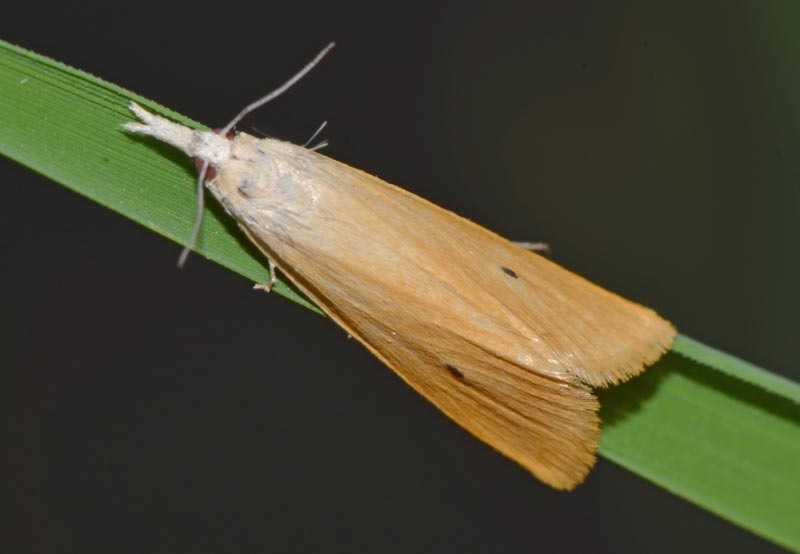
(502, 340)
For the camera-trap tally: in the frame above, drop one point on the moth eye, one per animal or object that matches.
(229, 135)
(509, 271)
(454, 371)
(210, 172)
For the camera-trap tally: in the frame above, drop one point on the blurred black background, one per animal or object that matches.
(147, 409)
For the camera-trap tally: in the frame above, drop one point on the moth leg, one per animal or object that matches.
(272, 278)
(540, 247)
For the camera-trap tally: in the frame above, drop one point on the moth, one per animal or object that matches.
(502, 340)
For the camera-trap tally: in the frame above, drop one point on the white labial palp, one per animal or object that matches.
(209, 146)
(197, 144)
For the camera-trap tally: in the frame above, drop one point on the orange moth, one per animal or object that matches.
(505, 342)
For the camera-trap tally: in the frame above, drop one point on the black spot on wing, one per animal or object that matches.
(510, 272)
(454, 371)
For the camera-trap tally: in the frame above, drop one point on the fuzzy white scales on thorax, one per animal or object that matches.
(268, 185)
(264, 186)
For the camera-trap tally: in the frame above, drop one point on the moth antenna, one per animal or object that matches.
(317, 132)
(198, 218)
(278, 91)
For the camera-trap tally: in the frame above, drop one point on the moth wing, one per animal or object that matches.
(596, 335)
(553, 319)
(549, 426)
(546, 423)
(500, 339)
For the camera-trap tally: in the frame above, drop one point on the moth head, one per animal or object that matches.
(211, 171)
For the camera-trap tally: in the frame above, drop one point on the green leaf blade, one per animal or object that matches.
(726, 438)
(723, 443)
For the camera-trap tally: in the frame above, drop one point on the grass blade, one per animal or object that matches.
(728, 440)
(711, 437)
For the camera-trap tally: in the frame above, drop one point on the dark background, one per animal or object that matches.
(147, 409)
